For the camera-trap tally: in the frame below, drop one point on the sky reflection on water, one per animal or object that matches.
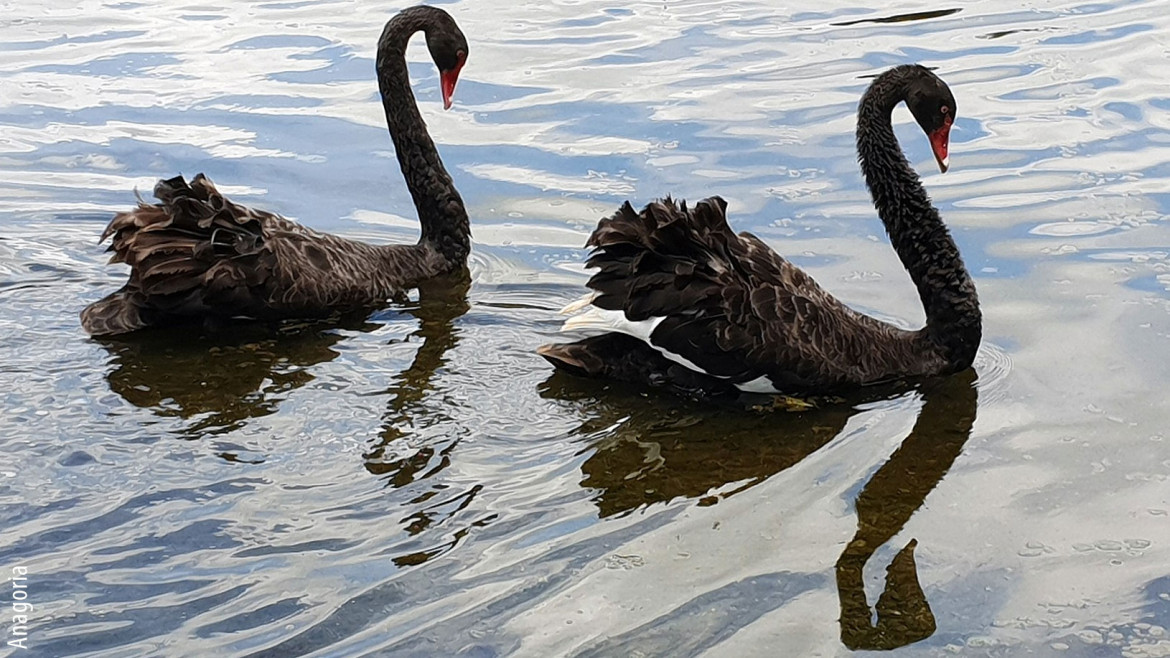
(419, 482)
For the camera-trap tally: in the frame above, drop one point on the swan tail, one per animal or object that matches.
(192, 249)
(620, 357)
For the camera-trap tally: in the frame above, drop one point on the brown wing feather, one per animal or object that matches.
(197, 254)
(731, 305)
(185, 252)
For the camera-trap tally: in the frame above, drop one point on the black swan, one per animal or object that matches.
(197, 255)
(683, 302)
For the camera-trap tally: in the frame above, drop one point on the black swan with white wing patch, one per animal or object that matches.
(682, 301)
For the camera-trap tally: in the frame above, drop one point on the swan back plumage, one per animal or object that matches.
(729, 307)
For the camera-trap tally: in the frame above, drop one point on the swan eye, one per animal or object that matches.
(944, 109)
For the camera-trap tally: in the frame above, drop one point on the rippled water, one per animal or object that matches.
(421, 484)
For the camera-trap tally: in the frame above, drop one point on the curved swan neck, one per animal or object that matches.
(917, 232)
(441, 213)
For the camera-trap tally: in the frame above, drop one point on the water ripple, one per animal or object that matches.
(419, 482)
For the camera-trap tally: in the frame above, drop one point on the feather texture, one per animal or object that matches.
(197, 255)
(736, 314)
(727, 306)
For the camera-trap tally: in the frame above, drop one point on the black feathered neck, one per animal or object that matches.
(917, 232)
(441, 212)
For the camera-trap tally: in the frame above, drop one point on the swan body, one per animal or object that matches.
(197, 255)
(680, 300)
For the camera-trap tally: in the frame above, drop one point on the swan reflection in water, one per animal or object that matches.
(419, 430)
(224, 379)
(662, 450)
(440, 303)
(887, 502)
(221, 379)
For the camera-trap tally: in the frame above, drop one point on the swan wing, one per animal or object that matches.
(194, 250)
(722, 304)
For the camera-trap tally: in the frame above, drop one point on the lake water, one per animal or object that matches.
(422, 484)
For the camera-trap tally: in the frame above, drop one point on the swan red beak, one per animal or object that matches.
(447, 80)
(940, 141)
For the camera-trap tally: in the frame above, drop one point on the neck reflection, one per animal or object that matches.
(441, 302)
(405, 454)
(653, 449)
(884, 506)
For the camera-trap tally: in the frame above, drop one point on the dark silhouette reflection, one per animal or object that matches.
(412, 411)
(654, 448)
(440, 303)
(219, 378)
(884, 506)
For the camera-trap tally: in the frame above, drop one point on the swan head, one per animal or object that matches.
(933, 106)
(448, 49)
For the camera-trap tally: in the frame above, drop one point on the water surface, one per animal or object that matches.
(419, 483)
